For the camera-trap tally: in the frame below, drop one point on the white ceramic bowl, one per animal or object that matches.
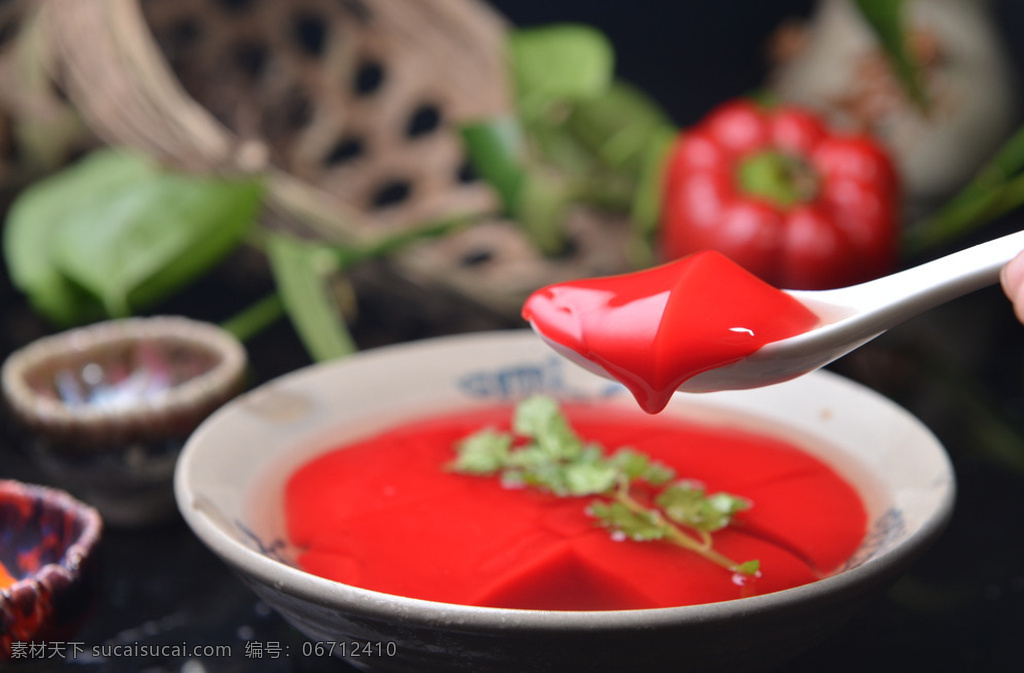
(231, 474)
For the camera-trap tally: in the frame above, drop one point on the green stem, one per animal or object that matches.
(349, 256)
(963, 214)
(1007, 162)
(782, 179)
(886, 19)
(604, 190)
(676, 535)
(256, 237)
(966, 213)
(996, 190)
(255, 318)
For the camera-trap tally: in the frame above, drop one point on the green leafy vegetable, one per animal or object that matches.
(302, 270)
(33, 229)
(579, 136)
(153, 236)
(619, 125)
(555, 459)
(996, 189)
(115, 233)
(645, 212)
(641, 525)
(559, 62)
(886, 20)
(687, 503)
(486, 452)
(529, 193)
(497, 149)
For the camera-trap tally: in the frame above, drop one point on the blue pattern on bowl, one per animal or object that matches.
(885, 531)
(522, 380)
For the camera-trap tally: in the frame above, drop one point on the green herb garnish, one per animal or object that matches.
(553, 458)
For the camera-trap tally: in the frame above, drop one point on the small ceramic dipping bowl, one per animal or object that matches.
(106, 408)
(50, 572)
(231, 475)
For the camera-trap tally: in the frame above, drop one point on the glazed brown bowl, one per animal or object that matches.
(106, 408)
(48, 544)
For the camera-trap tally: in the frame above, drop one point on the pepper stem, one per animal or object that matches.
(783, 179)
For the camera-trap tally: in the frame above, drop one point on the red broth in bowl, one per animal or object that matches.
(387, 513)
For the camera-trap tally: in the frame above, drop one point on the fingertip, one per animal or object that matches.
(1011, 277)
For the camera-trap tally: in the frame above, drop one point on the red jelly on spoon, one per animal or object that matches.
(654, 329)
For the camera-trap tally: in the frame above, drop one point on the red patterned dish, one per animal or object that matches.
(47, 544)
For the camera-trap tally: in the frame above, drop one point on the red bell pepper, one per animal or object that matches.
(783, 196)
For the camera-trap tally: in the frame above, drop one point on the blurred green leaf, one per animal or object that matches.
(114, 233)
(560, 62)
(590, 478)
(532, 196)
(253, 319)
(886, 20)
(996, 189)
(645, 212)
(216, 215)
(541, 207)
(637, 465)
(302, 270)
(618, 125)
(34, 225)
(496, 149)
(150, 237)
(540, 418)
(563, 151)
(484, 452)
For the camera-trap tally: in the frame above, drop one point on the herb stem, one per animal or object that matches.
(558, 461)
(255, 318)
(996, 189)
(675, 534)
(352, 255)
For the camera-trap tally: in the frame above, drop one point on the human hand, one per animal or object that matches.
(1012, 279)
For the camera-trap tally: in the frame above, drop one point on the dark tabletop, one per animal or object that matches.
(960, 369)
(961, 607)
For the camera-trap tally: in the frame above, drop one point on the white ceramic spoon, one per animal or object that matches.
(852, 316)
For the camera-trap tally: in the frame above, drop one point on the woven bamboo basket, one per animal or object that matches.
(39, 130)
(350, 106)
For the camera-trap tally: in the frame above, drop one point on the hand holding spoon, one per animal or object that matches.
(625, 334)
(852, 316)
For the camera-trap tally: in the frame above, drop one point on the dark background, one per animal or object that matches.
(959, 368)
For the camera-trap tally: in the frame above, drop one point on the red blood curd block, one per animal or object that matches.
(383, 513)
(654, 329)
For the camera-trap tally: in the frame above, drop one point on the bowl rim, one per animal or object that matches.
(40, 409)
(412, 611)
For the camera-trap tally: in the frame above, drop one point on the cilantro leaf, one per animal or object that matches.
(485, 452)
(590, 478)
(749, 568)
(555, 459)
(636, 465)
(540, 418)
(641, 526)
(687, 503)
